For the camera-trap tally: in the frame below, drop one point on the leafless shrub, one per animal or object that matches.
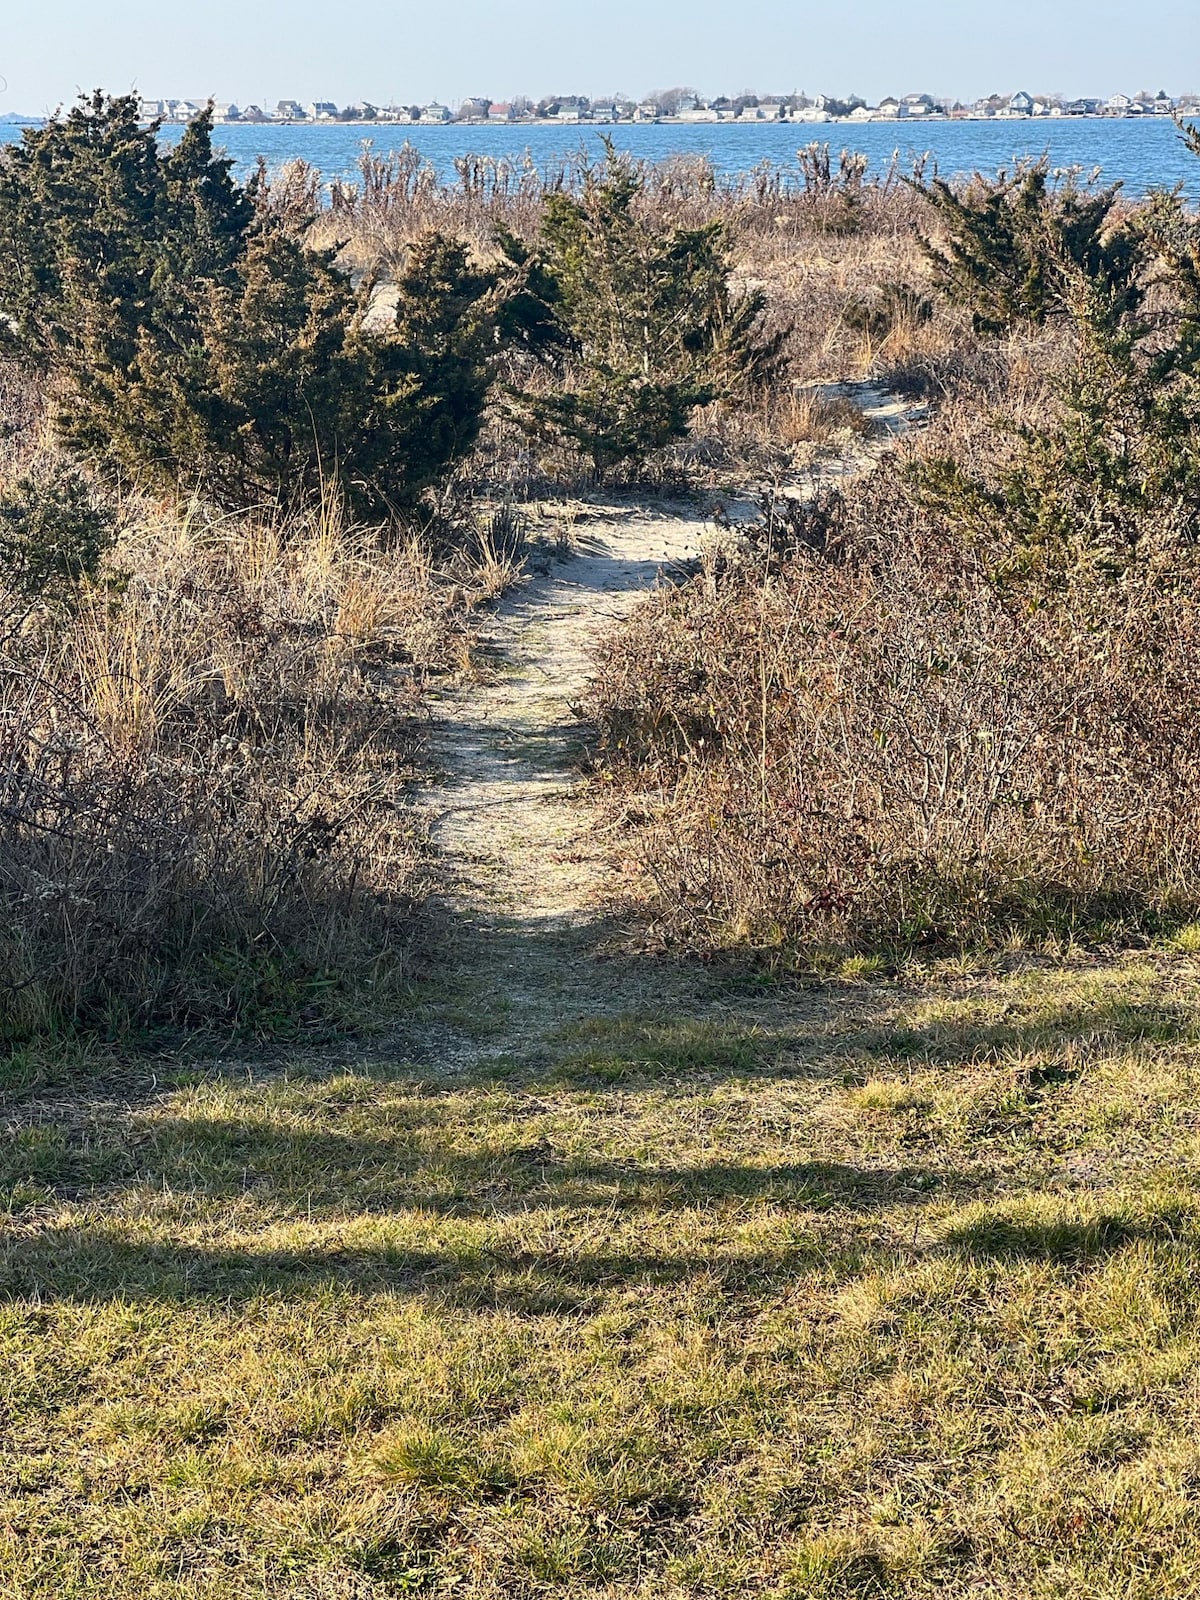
(871, 741)
(203, 775)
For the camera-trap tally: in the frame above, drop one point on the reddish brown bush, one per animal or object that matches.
(868, 740)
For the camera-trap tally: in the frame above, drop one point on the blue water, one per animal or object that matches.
(1142, 152)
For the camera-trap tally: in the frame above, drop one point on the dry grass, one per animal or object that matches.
(892, 1294)
(848, 733)
(205, 768)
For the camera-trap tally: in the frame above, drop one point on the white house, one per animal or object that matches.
(434, 113)
(322, 111)
(889, 108)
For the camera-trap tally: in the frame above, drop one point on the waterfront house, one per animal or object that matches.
(434, 112)
(323, 111)
(1018, 105)
(474, 109)
(890, 108)
(289, 111)
(605, 111)
(226, 111)
(150, 110)
(254, 113)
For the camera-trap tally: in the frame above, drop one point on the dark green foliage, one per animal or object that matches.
(1112, 477)
(528, 314)
(648, 316)
(203, 344)
(101, 233)
(895, 305)
(1009, 247)
(51, 533)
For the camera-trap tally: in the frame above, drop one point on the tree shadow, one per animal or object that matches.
(339, 1186)
(1092, 1023)
(1002, 1235)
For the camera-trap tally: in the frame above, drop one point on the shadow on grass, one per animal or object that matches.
(302, 1161)
(1092, 1023)
(97, 1264)
(1006, 1235)
(477, 1212)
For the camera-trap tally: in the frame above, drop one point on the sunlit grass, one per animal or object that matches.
(835, 1304)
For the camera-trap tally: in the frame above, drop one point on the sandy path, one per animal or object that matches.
(520, 841)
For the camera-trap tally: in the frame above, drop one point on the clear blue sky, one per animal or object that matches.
(410, 50)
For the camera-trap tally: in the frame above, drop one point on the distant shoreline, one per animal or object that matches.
(689, 122)
(799, 123)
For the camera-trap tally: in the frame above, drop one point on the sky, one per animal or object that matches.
(407, 51)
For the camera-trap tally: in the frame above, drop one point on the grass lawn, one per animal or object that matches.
(895, 1296)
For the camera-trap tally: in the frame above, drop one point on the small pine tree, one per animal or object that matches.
(1113, 477)
(647, 320)
(52, 534)
(1007, 247)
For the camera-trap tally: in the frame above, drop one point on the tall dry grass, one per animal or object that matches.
(853, 735)
(206, 761)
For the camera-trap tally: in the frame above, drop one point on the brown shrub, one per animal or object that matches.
(203, 773)
(862, 739)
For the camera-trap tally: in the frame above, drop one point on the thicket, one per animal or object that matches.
(198, 341)
(203, 774)
(641, 322)
(1111, 468)
(958, 701)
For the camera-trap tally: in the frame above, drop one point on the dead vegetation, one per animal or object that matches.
(954, 704)
(205, 766)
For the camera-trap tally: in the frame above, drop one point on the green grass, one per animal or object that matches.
(895, 1294)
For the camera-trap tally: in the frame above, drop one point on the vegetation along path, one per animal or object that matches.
(618, 1278)
(524, 848)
